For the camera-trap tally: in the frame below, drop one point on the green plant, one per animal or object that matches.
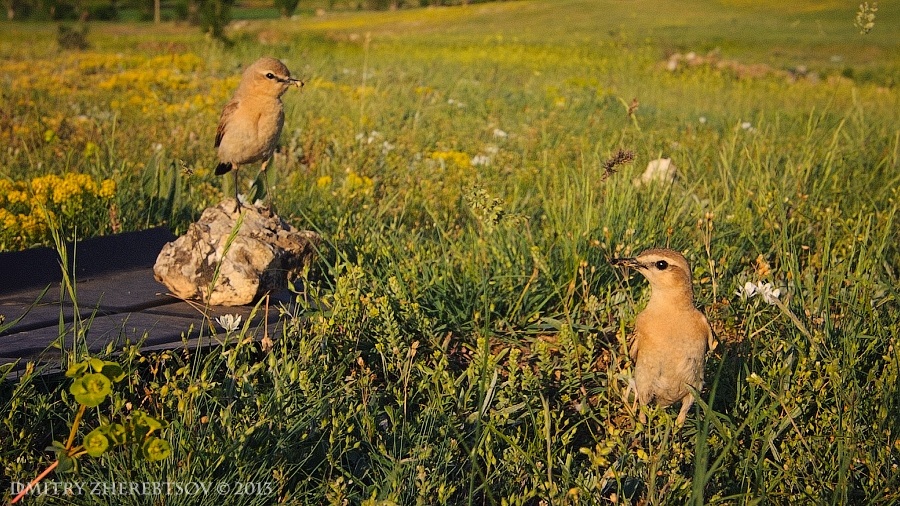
(286, 7)
(92, 381)
(70, 38)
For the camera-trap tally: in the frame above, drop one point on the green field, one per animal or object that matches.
(462, 338)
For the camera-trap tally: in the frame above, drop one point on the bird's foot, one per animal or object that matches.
(237, 205)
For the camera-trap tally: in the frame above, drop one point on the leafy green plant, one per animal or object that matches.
(70, 38)
(92, 381)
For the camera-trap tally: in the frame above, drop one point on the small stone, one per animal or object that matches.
(262, 255)
(659, 170)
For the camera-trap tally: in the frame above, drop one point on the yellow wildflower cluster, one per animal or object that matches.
(355, 92)
(356, 184)
(457, 158)
(323, 182)
(353, 185)
(71, 187)
(140, 82)
(27, 207)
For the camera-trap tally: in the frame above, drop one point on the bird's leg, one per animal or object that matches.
(642, 397)
(631, 388)
(686, 403)
(237, 200)
(267, 201)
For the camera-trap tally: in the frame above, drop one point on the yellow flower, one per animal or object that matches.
(6, 187)
(16, 197)
(41, 187)
(31, 225)
(107, 189)
(358, 184)
(8, 220)
(73, 185)
(320, 83)
(458, 158)
(323, 181)
(90, 150)
(21, 130)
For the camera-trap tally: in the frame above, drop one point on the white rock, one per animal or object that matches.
(659, 170)
(263, 254)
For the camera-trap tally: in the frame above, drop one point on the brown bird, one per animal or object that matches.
(251, 123)
(670, 335)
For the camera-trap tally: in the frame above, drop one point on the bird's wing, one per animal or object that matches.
(635, 344)
(223, 121)
(711, 342)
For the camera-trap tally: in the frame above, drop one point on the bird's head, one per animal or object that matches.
(268, 76)
(667, 270)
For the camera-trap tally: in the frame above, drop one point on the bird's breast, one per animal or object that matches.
(676, 331)
(252, 131)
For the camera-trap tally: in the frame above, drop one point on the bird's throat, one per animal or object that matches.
(671, 298)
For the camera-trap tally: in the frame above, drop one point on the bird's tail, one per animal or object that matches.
(223, 168)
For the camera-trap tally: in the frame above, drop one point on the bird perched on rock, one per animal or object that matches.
(670, 335)
(251, 122)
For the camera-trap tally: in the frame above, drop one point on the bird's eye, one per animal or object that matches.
(270, 76)
(662, 265)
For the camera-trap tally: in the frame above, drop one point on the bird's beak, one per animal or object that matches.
(625, 262)
(296, 82)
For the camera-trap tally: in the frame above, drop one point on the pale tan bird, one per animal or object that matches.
(670, 335)
(251, 123)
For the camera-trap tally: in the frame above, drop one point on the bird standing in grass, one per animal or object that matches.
(251, 123)
(670, 335)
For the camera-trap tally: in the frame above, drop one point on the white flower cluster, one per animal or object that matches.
(865, 17)
(483, 160)
(372, 136)
(375, 136)
(769, 293)
(480, 160)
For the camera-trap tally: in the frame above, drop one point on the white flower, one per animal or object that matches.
(229, 322)
(769, 293)
(747, 291)
(369, 138)
(702, 119)
(479, 160)
(500, 134)
(457, 103)
(746, 125)
(386, 147)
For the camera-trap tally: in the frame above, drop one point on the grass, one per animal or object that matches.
(462, 338)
